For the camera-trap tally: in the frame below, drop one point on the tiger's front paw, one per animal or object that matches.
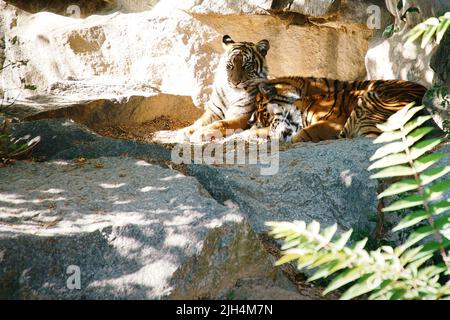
(206, 134)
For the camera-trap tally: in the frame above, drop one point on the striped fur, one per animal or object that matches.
(313, 109)
(232, 101)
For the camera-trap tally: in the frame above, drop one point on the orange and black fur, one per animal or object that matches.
(313, 109)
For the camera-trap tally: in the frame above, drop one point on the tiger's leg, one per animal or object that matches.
(206, 119)
(168, 136)
(221, 128)
(322, 130)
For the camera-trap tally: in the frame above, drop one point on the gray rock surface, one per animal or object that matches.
(138, 230)
(135, 230)
(65, 139)
(437, 102)
(327, 182)
(440, 61)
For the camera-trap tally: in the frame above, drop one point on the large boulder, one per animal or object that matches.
(136, 224)
(327, 182)
(122, 228)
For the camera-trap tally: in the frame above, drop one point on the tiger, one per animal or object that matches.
(232, 101)
(300, 109)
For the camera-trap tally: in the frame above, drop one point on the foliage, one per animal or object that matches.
(389, 30)
(408, 271)
(429, 29)
(10, 148)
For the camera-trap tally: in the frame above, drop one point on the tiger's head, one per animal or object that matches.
(277, 109)
(245, 61)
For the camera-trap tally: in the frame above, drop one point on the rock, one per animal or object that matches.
(110, 64)
(392, 58)
(83, 8)
(327, 182)
(437, 101)
(65, 139)
(132, 230)
(440, 61)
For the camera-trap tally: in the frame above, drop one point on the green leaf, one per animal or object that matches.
(342, 241)
(432, 174)
(367, 283)
(424, 146)
(418, 235)
(408, 202)
(344, 278)
(417, 134)
(388, 31)
(390, 148)
(415, 34)
(411, 219)
(400, 118)
(290, 244)
(389, 161)
(400, 5)
(418, 262)
(442, 223)
(287, 258)
(306, 261)
(396, 171)
(314, 227)
(396, 147)
(429, 33)
(389, 136)
(360, 245)
(440, 207)
(323, 272)
(329, 232)
(415, 123)
(409, 255)
(427, 161)
(399, 187)
(437, 189)
(441, 30)
(325, 258)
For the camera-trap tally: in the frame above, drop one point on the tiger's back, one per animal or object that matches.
(314, 109)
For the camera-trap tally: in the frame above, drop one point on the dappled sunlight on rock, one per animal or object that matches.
(112, 185)
(346, 177)
(53, 191)
(174, 177)
(151, 188)
(143, 163)
(155, 276)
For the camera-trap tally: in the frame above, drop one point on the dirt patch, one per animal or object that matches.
(142, 132)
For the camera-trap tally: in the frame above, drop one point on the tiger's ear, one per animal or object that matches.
(226, 39)
(263, 46)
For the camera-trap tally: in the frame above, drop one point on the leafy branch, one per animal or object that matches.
(429, 29)
(404, 272)
(10, 148)
(389, 30)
